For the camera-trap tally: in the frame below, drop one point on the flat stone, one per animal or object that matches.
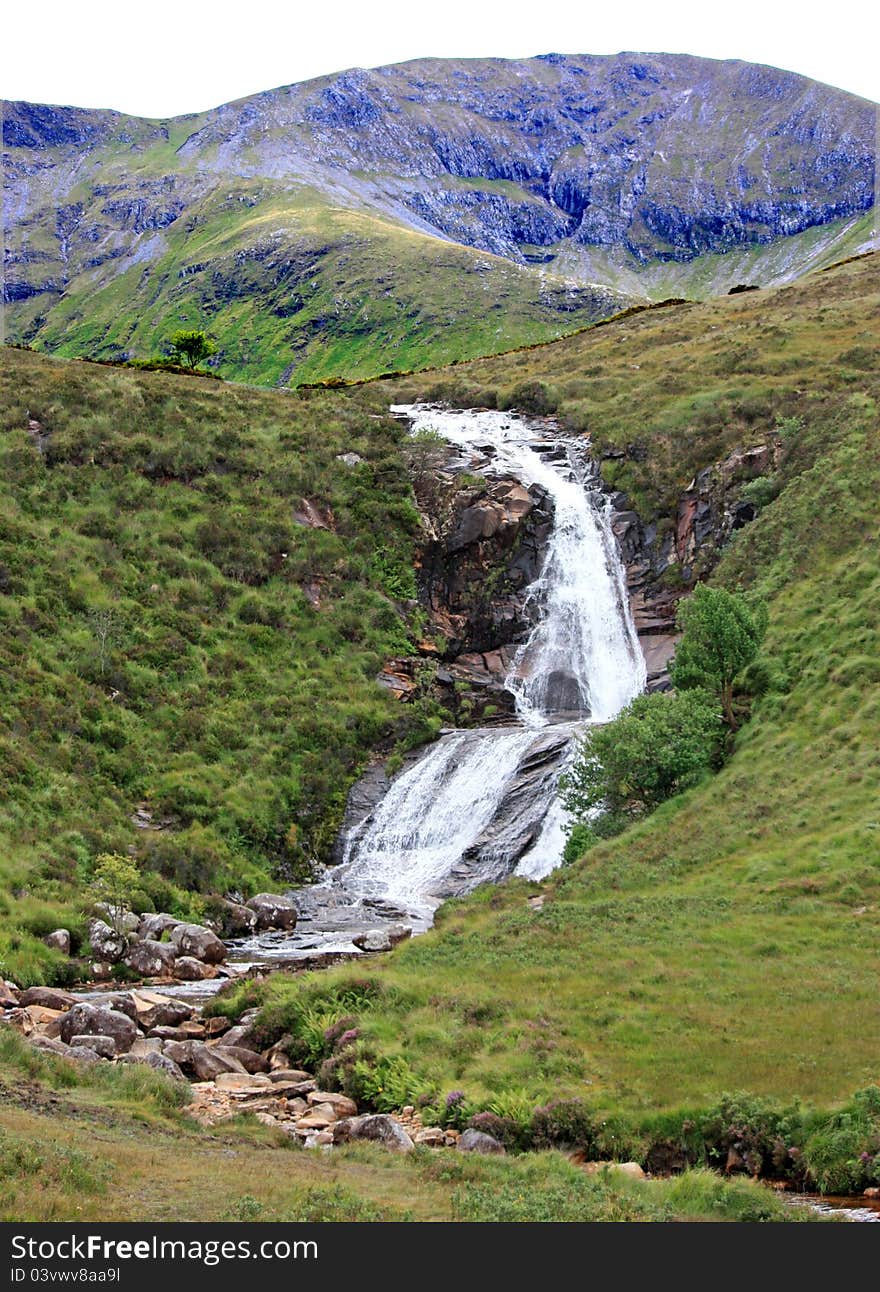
(49, 997)
(343, 1106)
(104, 1046)
(241, 1081)
(315, 1121)
(290, 1074)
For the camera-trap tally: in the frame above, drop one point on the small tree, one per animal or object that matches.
(114, 880)
(658, 746)
(722, 634)
(192, 347)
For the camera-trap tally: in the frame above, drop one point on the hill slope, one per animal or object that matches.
(730, 941)
(196, 593)
(426, 212)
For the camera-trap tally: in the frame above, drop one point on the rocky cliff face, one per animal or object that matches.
(623, 171)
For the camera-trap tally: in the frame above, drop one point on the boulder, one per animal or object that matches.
(474, 1141)
(238, 921)
(107, 945)
(278, 1056)
(180, 1052)
(59, 940)
(50, 1045)
(250, 1060)
(208, 1064)
(104, 1046)
(83, 1054)
(42, 1016)
(154, 925)
(123, 1001)
(217, 1026)
(242, 1034)
(145, 1045)
(151, 959)
(290, 1076)
(273, 911)
(197, 941)
(382, 939)
(125, 921)
(376, 1127)
(96, 1020)
(162, 1063)
(155, 1010)
(188, 969)
(343, 1106)
(50, 997)
(10, 996)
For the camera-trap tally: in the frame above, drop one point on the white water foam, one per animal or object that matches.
(581, 660)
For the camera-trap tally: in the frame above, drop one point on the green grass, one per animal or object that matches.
(171, 633)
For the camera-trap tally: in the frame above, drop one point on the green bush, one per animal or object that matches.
(658, 746)
(565, 1123)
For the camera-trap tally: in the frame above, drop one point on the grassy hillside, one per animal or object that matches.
(731, 940)
(296, 290)
(196, 594)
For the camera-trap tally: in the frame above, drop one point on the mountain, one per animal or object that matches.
(420, 213)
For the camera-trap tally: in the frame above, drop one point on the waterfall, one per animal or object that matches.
(481, 802)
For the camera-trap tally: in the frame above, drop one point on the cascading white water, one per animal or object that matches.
(581, 661)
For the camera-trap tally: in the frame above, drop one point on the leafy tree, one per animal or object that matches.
(114, 880)
(659, 745)
(722, 634)
(192, 347)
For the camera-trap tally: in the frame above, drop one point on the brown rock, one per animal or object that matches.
(151, 959)
(208, 1064)
(273, 911)
(50, 1045)
(216, 1026)
(50, 997)
(104, 1046)
(9, 995)
(290, 1074)
(241, 1081)
(343, 1106)
(156, 1010)
(315, 1120)
(59, 940)
(40, 1014)
(376, 1127)
(250, 1060)
(433, 1136)
(199, 942)
(95, 1020)
(188, 969)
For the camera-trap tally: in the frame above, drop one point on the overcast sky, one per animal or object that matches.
(163, 58)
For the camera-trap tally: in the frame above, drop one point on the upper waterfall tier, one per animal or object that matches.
(582, 657)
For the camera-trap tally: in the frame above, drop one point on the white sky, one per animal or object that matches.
(161, 58)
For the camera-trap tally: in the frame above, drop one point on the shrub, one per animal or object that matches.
(659, 745)
(842, 1154)
(532, 397)
(565, 1123)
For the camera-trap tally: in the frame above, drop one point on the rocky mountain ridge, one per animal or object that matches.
(470, 204)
